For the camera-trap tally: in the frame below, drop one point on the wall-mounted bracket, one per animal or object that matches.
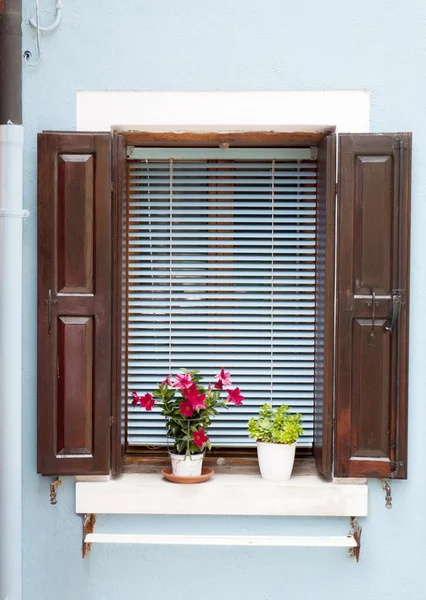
(89, 522)
(388, 492)
(356, 531)
(53, 487)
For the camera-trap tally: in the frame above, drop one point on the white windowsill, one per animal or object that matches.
(224, 494)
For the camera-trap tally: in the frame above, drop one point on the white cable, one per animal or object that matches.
(36, 24)
(38, 28)
(170, 263)
(272, 279)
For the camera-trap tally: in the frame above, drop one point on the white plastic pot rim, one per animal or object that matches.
(276, 444)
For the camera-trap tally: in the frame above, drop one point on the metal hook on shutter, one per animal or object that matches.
(396, 309)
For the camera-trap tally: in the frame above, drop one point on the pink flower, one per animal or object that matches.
(146, 402)
(168, 380)
(186, 409)
(183, 381)
(194, 397)
(223, 379)
(198, 401)
(200, 438)
(235, 397)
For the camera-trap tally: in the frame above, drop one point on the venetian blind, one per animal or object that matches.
(221, 273)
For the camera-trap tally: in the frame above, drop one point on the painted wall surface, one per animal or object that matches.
(229, 45)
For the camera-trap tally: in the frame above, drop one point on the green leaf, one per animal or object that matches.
(277, 426)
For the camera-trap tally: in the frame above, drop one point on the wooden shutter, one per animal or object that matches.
(372, 296)
(74, 303)
(119, 303)
(324, 306)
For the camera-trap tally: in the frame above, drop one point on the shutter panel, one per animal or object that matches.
(372, 285)
(74, 303)
(324, 306)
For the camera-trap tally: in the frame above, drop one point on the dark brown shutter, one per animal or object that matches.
(324, 306)
(372, 296)
(74, 303)
(119, 258)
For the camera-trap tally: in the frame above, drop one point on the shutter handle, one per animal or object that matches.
(50, 302)
(396, 309)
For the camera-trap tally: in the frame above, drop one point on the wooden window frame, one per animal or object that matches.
(130, 460)
(366, 215)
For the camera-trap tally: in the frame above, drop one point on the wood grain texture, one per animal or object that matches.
(372, 257)
(324, 306)
(75, 386)
(75, 223)
(261, 139)
(74, 262)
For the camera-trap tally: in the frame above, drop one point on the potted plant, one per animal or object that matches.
(276, 433)
(188, 407)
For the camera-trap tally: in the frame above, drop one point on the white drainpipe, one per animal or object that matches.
(11, 216)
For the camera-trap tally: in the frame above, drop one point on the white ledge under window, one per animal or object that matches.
(224, 494)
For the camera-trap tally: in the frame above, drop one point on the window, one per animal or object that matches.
(221, 272)
(333, 341)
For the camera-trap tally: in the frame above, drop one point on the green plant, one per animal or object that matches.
(189, 406)
(276, 425)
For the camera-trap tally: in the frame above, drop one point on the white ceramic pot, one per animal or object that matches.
(275, 460)
(187, 466)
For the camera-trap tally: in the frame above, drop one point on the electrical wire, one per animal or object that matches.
(54, 25)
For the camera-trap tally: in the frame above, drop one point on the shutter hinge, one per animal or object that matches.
(336, 189)
(395, 467)
(111, 421)
(112, 187)
(400, 143)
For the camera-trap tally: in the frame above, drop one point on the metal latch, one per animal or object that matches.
(397, 302)
(50, 302)
(373, 303)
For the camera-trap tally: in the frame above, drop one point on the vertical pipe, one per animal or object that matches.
(11, 215)
(11, 63)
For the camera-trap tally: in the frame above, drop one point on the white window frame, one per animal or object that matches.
(303, 495)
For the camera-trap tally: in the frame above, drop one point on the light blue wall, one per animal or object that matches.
(230, 45)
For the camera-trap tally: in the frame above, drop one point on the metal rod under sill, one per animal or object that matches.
(347, 541)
